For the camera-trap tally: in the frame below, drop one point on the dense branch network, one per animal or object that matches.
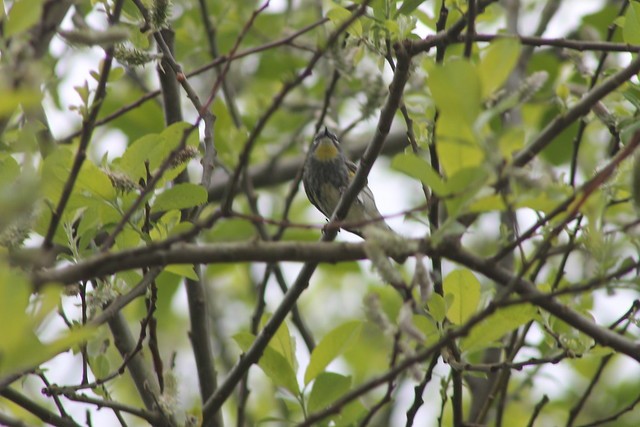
(516, 288)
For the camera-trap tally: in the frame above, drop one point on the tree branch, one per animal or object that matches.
(41, 412)
(88, 126)
(581, 108)
(602, 336)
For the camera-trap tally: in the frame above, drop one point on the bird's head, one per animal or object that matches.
(325, 146)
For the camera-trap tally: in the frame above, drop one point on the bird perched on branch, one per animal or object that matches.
(327, 175)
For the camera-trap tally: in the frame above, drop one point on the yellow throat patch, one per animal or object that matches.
(326, 150)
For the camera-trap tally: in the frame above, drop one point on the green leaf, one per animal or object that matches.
(332, 345)
(128, 238)
(175, 132)
(428, 327)
(456, 90)
(100, 366)
(274, 364)
(155, 149)
(496, 65)
(133, 160)
(437, 307)
(409, 6)
(492, 202)
(349, 414)
(338, 15)
(116, 73)
(96, 212)
(182, 270)
(456, 155)
(91, 180)
(497, 325)
(467, 180)
(283, 343)
(9, 169)
(180, 196)
(631, 28)
(465, 289)
(601, 19)
(167, 224)
(23, 15)
(327, 388)
(392, 27)
(55, 171)
(20, 347)
(570, 337)
(511, 141)
(225, 132)
(464, 185)
(419, 168)
(233, 229)
(11, 99)
(560, 150)
(95, 181)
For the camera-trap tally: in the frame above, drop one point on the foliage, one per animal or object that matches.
(158, 261)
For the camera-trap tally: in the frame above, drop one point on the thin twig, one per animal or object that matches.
(88, 126)
(584, 191)
(243, 158)
(418, 391)
(301, 283)
(152, 417)
(630, 407)
(575, 410)
(537, 409)
(213, 64)
(471, 28)
(42, 413)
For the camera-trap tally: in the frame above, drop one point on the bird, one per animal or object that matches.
(326, 176)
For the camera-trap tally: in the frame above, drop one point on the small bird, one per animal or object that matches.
(327, 175)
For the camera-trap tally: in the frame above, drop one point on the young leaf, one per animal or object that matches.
(274, 364)
(10, 100)
(327, 387)
(20, 347)
(417, 167)
(457, 154)
(631, 28)
(338, 15)
(95, 181)
(456, 89)
(180, 196)
(408, 6)
(332, 345)
(497, 325)
(465, 289)
(492, 202)
(155, 149)
(22, 16)
(283, 343)
(497, 64)
(467, 180)
(427, 326)
(133, 160)
(9, 170)
(437, 307)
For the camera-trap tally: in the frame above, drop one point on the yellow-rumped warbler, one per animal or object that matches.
(327, 175)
